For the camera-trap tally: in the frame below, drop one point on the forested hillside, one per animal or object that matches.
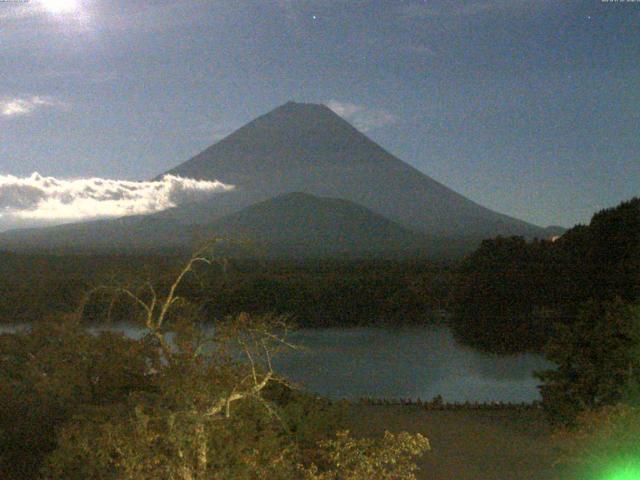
(314, 293)
(512, 292)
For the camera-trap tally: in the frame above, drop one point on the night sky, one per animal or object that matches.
(531, 108)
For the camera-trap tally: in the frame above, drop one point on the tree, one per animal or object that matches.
(216, 409)
(512, 291)
(505, 297)
(48, 373)
(597, 358)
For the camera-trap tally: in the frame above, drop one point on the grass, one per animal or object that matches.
(469, 444)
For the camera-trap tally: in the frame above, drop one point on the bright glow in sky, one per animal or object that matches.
(60, 6)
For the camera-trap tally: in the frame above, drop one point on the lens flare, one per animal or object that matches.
(628, 471)
(60, 6)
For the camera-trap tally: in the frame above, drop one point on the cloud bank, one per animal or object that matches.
(49, 199)
(363, 118)
(12, 107)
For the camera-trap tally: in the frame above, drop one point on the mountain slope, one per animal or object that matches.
(301, 225)
(127, 234)
(308, 148)
(294, 225)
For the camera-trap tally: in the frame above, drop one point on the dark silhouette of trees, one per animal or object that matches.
(510, 292)
(575, 299)
(315, 293)
(597, 358)
(505, 300)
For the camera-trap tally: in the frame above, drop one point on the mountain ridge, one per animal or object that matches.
(298, 224)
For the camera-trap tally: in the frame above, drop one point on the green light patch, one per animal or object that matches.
(629, 471)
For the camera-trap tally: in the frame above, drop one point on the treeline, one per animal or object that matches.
(511, 292)
(323, 294)
(316, 293)
(34, 287)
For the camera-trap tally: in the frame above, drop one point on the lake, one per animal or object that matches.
(415, 362)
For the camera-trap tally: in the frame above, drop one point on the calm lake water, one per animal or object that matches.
(416, 362)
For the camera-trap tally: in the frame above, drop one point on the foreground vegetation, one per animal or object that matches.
(176, 404)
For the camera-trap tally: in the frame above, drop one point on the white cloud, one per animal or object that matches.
(10, 107)
(363, 118)
(50, 199)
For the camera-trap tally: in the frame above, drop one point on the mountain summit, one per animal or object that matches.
(304, 147)
(293, 137)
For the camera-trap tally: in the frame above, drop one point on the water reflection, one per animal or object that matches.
(407, 363)
(417, 362)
